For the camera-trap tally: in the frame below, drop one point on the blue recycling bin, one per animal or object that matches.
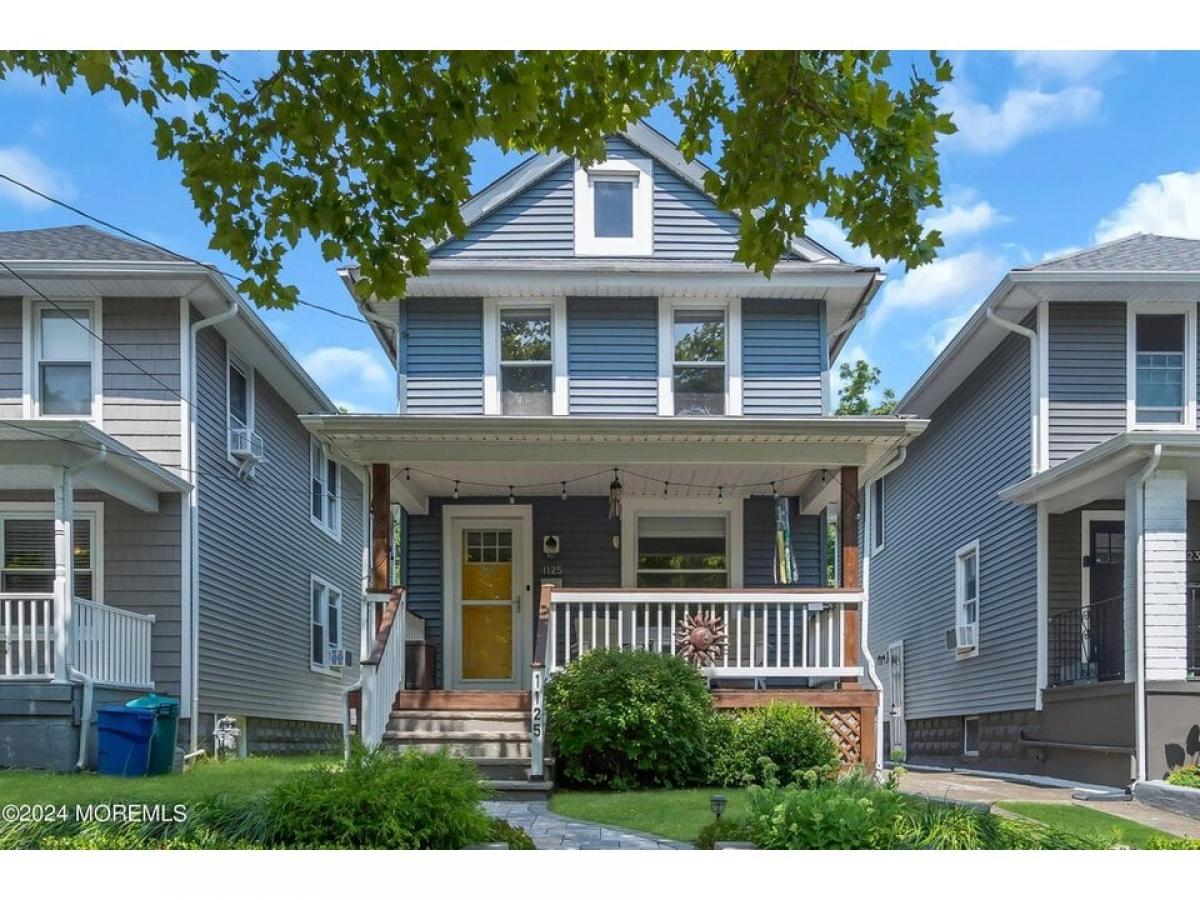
(125, 735)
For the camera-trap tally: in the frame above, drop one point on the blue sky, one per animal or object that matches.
(1054, 152)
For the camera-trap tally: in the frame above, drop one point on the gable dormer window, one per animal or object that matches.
(1161, 361)
(614, 208)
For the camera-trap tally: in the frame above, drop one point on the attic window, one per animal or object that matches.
(614, 208)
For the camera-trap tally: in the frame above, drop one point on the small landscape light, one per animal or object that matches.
(717, 804)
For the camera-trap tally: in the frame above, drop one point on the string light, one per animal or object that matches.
(774, 490)
(512, 498)
(407, 474)
(456, 490)
(666, 487)
(563, 495)
(720, 492)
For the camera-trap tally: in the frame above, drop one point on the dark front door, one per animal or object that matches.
(1104, 615)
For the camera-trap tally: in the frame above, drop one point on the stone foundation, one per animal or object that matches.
(281, 737)
(939, 741)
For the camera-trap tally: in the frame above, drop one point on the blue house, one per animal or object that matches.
(605, 427)
(1033, 561)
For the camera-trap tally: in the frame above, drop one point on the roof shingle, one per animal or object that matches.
(1136, 253)
(76, 243)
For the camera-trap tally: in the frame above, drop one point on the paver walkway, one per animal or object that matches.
(551, 831)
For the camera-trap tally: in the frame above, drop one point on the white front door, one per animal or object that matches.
(896, 692)
(488, 600)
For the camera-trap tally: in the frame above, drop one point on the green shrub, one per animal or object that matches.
(1185, 776)
(793, 737)
(1173, 844)
(516, 838)
(624, 719)
(723, 830)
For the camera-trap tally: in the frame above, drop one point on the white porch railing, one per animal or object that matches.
(770, 633)
(108, 644)
(383, 672)
(27, 636)
(111, 645)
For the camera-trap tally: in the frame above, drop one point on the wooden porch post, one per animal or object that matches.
(381, 527)
(848, 524)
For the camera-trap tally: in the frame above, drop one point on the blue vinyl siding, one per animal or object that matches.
(783, 356)
(612, 356)
(942, 498)
(1087, 376)
(443, 352)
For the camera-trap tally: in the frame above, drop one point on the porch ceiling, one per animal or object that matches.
(535, 455)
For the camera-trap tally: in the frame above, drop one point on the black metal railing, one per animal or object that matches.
(1193, 631)
(1088, 644)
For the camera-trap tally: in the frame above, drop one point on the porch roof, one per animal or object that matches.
(537, 454)
(1101, 472)
(33, 452)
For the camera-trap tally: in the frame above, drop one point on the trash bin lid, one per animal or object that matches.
(160, 703)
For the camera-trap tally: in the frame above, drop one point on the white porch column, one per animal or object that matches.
(64, 572)
(1164, 600)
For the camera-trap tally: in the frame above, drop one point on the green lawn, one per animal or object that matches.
(1086, 822)
(240, 777)
(678, 815)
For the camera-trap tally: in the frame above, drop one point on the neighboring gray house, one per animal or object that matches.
(166, 521)
(605, 424)
(1032, 558)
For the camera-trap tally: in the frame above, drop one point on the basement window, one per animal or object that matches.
(971, 735)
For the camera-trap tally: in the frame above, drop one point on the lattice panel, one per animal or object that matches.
(845, 727)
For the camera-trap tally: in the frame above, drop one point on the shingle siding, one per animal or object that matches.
(1087, 376)
(258, 552)
(444, 356)
(783, 356)
(942, 498)
(612, 356)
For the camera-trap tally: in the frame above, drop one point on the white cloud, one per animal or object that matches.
(829, 234)
(360, 377)
(960, 220)
(1068, 65)
(938, 336)
(24, 166)
(943, 283)
(1023, 112)
(1168, 205)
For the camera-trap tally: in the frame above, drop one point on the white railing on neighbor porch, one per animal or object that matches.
(111, 645)
(383, 671)
(108, 644)
(27, 636)
(770, 633)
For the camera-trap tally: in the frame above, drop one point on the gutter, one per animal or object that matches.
(192, 521)
(1139, 697)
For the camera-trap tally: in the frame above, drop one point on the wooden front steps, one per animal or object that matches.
(490, 728)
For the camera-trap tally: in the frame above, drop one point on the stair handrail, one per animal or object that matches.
(537, 687)
(383, 670)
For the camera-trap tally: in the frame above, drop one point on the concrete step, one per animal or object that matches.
(498, 701)
(471, 744)
(514, 789)
(457, 721)
(510, 768)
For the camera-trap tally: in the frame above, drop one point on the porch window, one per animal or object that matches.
(65, 360)
(27, 552)
(326, 490)
(682, 552)
(326, 625)
(966, 591)
(526, 362)
(1160, 369)
(699, 375)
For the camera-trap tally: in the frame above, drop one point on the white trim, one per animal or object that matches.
(877, 483)
(85, 509)
(232, 359)
(959, 555)
(31, 355)
(185, 508)
(329, 588)
(978, 736)
(456, 516)
(1041, 420)
(641, 173)
(332, 528)
(1086, 518)
(632, 507)
(667, 307)
(1188, 311)
(560, 384)
(1043, 604)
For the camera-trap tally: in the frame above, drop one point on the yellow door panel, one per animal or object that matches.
(487, 581)
(487, 642)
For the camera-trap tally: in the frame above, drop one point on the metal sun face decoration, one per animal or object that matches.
(701, 638)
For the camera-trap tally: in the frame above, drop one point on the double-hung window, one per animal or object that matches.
(700, 372)
(1160, 369)
(526, 361)
(966, 600)
(240, 405)
(66, 359)
(684, 551)
(27, 553)
(326, 625)
(326, 489)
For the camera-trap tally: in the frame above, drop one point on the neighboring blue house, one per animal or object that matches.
(1033, 561)
(166, 522)
(605, 424)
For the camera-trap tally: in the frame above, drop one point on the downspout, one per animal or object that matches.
(76, 676)
(194, 523)
(1139, 746)
(865, 617)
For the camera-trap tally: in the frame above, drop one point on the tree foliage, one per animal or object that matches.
(858, 380)
(368, 153)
